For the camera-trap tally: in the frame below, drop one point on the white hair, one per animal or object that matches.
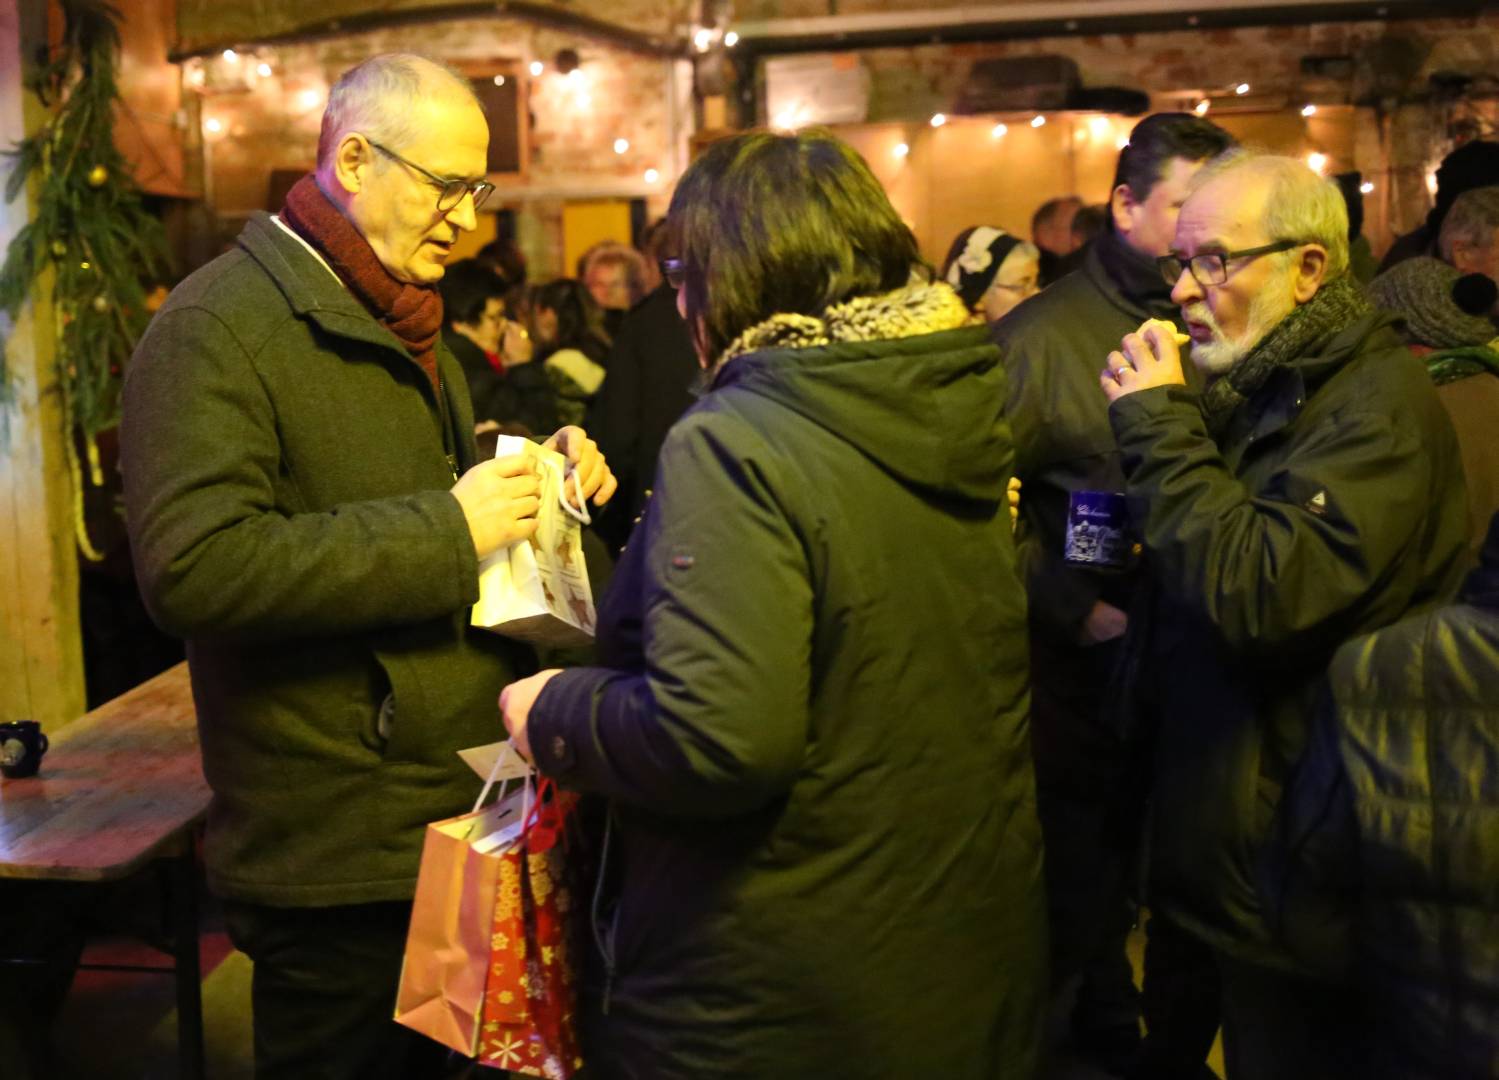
(1299, 206)
(1472, 220)
(377, 98)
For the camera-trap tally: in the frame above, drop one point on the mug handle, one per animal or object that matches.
(45, 743)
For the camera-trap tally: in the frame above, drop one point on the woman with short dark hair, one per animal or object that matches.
(822, 857)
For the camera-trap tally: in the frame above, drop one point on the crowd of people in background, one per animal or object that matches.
(847, 839)
(1230, 581)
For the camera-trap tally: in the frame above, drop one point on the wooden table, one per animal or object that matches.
(119, 788)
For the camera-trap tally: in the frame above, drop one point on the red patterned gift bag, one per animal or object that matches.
(530, 998)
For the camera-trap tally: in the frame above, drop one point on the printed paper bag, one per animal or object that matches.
(537, 590)
(530, 1003)
(445, 968)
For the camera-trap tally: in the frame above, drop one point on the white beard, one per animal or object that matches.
(1266, 310)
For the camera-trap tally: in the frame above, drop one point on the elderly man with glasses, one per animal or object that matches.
(306, 507)
(1311, 492)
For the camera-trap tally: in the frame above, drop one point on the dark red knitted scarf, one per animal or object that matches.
(412, 312)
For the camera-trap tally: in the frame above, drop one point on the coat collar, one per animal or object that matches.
(315, 294)
(1284, 395)
(310, 290)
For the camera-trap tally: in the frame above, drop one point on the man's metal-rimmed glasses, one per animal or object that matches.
(674, 271)
(1211, 267)
(450, 192)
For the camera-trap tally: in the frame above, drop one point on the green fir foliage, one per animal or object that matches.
(90, 225)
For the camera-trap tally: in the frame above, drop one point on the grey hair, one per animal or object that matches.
(1472, 220)
(1300, 205)
(377, 98)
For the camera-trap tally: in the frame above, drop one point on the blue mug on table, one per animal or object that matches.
(22, 745)
(1097, 530)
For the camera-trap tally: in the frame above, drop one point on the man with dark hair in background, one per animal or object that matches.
(1088, 775)
(1051, 231)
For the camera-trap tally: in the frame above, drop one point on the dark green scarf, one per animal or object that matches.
(1335, 307)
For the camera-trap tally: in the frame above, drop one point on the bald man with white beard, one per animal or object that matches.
(1310, 493)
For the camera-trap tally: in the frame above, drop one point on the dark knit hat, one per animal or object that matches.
(974, 258)
(1442, 308)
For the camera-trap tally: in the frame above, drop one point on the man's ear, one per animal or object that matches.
(1311, 272)
(352, 160)
(1121, 202)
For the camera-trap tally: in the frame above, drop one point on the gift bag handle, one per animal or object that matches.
(494, 771)
(581, 510)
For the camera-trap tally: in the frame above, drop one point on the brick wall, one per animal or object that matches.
(573, 122)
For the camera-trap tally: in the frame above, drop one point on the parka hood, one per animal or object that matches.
(906, 377)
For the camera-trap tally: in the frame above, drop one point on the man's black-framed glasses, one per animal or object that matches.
(674, 271)
(450, 192)
(1211, 267)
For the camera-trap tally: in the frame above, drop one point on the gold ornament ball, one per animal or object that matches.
(101, 305)
(97, 175)
(59, 248)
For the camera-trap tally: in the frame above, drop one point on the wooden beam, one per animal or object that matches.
(41, 649)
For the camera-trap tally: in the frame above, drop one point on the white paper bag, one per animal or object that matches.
(537, 590)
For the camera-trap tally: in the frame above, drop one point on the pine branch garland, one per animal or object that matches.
(90, 227)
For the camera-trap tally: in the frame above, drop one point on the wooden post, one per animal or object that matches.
(41, 648)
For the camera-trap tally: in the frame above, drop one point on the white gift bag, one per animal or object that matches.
(537, 590)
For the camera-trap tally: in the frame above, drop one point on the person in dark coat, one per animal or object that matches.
(652, 372)
(495, 351)
(1087, 775)
(1310, 493)
(811, 722)
(1472, 165)
(1383, 872)
(305, 509)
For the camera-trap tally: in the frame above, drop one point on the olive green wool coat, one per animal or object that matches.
(286, 469)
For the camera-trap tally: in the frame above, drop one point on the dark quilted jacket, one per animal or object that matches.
(1386, 867)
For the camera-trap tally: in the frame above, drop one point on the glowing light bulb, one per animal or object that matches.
(938, 120)
(1309, 110)
(730, 39)
(537, 67)
(1122, 142)
(999, 131)
(621, 145)
(263, 70)
(651, 176)
(1317, 162)
(1242, 89)
(1367, 187)
(901, 150)
(1100, 126)
(1201, 109)
(309, 99)
(499, 80)
(213, 125)
(1038, 121)
(702, 39)
(230, 56)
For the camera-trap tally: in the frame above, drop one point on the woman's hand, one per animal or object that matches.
(515, 706)
(515, 344)
(585, 460)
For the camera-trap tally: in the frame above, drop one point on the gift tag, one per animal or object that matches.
(501, 759)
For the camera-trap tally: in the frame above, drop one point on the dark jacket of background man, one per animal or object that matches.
(288, 497)
(652, 370)
(1386, 870)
